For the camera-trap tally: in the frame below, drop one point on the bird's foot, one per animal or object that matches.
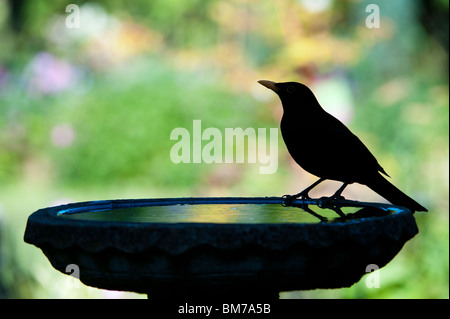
(326, 201)
(288, 199)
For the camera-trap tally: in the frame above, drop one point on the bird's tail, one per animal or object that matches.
(385, 189)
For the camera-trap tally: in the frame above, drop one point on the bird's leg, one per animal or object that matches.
(325, 201)
(304, 193)
(336, 196)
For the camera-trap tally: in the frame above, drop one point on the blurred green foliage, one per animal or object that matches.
(87, 113)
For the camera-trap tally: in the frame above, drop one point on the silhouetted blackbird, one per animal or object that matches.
(325, 147)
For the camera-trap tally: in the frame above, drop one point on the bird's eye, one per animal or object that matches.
(290, 89)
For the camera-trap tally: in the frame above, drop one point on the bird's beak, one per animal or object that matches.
(270, 85)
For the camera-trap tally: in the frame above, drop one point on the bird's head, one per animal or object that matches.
(291, 93)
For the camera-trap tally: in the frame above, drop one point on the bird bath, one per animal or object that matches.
(218, 247)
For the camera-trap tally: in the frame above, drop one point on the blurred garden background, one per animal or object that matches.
(86, 112)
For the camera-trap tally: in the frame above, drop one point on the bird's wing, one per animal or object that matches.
(354, 152)
(325, 147)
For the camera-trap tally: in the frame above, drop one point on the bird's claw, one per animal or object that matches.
(327, 201)
(287, 199)
(291, 198)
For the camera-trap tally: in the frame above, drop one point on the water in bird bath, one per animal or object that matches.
(209, 213)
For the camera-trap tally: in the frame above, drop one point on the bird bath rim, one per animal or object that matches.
(44, 225)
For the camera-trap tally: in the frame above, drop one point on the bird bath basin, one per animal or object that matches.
(213, 247)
